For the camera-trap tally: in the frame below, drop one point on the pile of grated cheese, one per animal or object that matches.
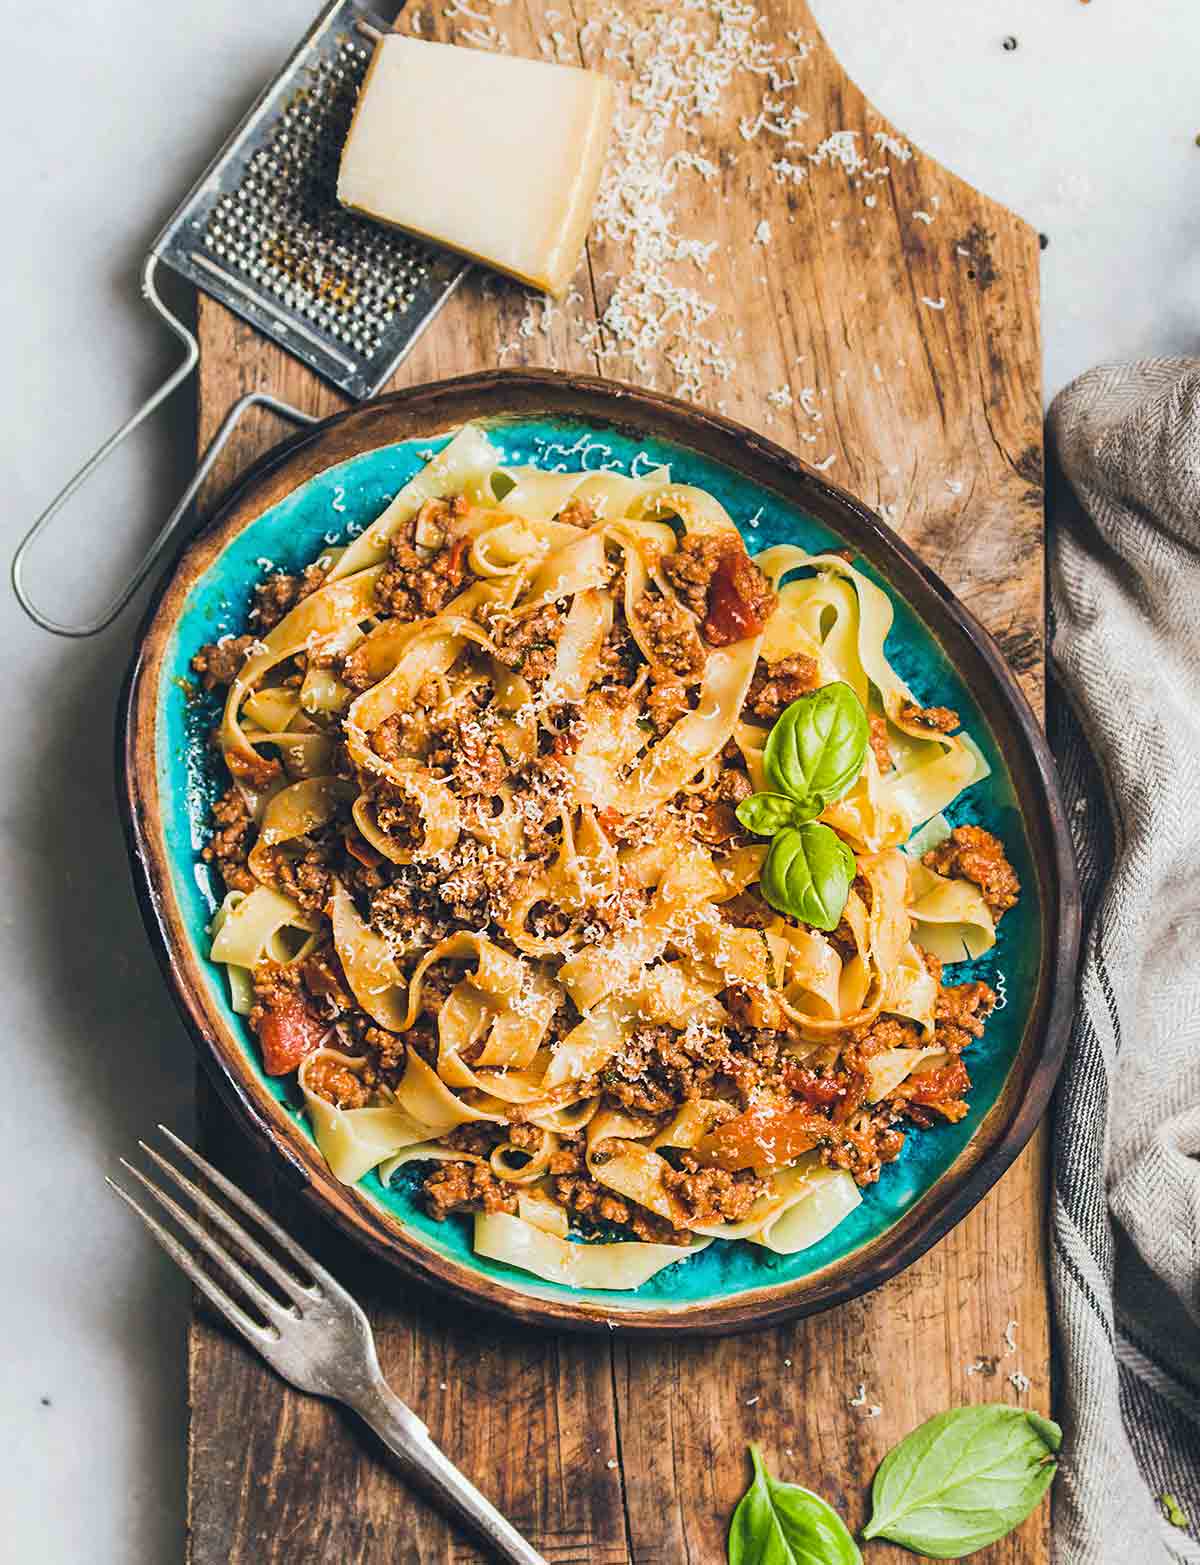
(678, 70)
(675, 67)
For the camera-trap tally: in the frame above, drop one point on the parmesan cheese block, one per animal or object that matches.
(496, 157)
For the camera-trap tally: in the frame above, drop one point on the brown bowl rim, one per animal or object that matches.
(433, 408)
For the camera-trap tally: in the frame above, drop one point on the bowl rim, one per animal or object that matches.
(434, 408)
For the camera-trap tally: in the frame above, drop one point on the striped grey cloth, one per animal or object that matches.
(1125, 1237)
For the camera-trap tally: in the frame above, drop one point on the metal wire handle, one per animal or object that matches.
(103, 620)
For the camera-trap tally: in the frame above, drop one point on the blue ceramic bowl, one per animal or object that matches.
(327, 486)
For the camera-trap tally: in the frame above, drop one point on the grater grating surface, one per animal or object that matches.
(262, 230)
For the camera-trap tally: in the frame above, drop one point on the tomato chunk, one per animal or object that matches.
(935, 1086)
(820, 1091)
(288, 1034)
(763, 1138)
(740, 601)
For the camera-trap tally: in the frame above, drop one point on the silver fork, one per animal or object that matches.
(320, 1341)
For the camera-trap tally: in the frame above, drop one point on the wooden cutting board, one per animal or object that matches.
(902, 308)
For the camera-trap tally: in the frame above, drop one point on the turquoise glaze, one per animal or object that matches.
(346, 498)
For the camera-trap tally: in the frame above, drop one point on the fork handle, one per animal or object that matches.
(408, 1439)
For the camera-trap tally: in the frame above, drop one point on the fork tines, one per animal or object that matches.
(296, 1290)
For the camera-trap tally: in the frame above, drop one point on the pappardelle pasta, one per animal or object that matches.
(595, 867)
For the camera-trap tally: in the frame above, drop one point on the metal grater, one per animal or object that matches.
(261, 230)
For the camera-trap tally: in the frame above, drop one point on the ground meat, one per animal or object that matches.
(279, 594)
(713, 1195)
(562, 729)
(879, 742)
(938, 719)
(480, 1138)
(456, 1187)
(862, 1148)
(730, 786)
(480, 887)
(321, 974)
(960, 1014)
(354, 669)
(398, 813)
(661, 1067)
(757, 1066)
(526, 1138)
(529, 645)
(233, 830)
(620, 657)
(387, 1051)
(710, 815)
(888, 1032)
(666, 702)
(747, 910)
(422, 1039)
(408, 915)
(721, 585)
(275, 985)
(220, 662)
(577, 513)
(674, 641)
(596, 1203)
(971, 853)
(306, 876)
(392, 740)
(254, 769)
(469, 752)
(753, 1005)
(417, 581)
(540, 810)
(568, 1157)
(471, 882)
(546, 921)
(690, 569)
(363, 871)
(337, 1084)
(440, 978)
(776, 685)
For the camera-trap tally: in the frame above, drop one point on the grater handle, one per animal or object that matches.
(103, 620)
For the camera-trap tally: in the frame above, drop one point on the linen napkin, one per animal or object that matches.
(1125, 725)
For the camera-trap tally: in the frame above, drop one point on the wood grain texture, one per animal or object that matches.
(937, 413)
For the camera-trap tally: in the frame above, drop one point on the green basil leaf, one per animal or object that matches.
(782, 1524)
(767, 813)
(817, 747)
(1173, 1511)
(963, 1479)
(807, 873)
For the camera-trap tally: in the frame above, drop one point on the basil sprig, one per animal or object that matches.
(813, 754)
(963, 1479)
(807, 873)
(781, 1524)
(817, 747)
